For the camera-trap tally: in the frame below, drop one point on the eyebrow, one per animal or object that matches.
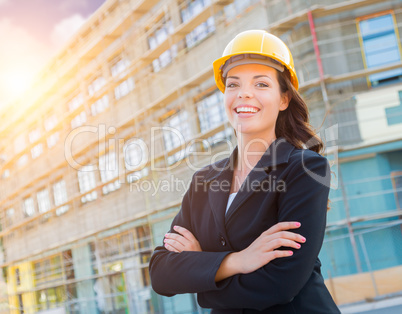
(255, 77)
(258, 76)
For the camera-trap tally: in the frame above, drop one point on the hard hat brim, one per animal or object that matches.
(218, 64)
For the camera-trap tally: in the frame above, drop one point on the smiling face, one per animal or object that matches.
(253, 100)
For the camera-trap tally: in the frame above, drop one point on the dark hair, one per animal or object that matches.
(293, 123)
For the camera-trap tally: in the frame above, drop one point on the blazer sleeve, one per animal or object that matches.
(278, 282)
(186, 272)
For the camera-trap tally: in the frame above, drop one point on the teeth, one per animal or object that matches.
(246, 109)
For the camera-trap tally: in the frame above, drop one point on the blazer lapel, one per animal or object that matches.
(277, 153)
(219, 182)
(249, 186)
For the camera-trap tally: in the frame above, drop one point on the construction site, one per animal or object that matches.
(97, 155)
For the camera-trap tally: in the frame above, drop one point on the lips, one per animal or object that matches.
(246, 110)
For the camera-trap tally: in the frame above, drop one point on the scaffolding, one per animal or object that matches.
(136, 66)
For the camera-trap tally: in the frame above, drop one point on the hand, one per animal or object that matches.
(263, 249)
(184, 241)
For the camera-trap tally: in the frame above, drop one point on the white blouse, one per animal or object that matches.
(230, 200)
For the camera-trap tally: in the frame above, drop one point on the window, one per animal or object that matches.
(397, 183)
(48, 269)
(190, 8)
(60, 197)
(19, 143)
(163, 29)
(200, 32)
(17, 276)
(237, 7)
(29, 207)
(43, 201)
(50, 123)
(188, 11)
(380, 47)
(37, 150)
(109, 169)
(22, 160)
(120, 64)
(9, 217)
(135, 156)
(96, 85)
(109, 247)
(211, 113)
(79, 120)
(100, 105)
(34, 135)
(180, 127)
(144, 237)
(124, 88)
(53, 139)
(76, 102)
(5, 174)
(20, 303)
(86, 181)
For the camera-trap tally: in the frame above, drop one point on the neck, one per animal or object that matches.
(250, 150)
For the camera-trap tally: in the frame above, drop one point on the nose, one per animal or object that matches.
(244, 93)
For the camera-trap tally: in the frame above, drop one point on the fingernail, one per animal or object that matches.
(290, 253)
(303, 239)
(297, 224)
(175, 227)
(298, 245)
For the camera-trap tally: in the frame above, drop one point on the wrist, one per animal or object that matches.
(229, 267)
(235, 263)
(232, 263)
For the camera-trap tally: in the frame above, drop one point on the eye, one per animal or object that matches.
(262, 84)
(231, 85)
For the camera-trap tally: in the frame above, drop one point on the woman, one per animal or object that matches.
(247, 237)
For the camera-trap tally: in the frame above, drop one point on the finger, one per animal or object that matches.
(268, 257)
(278, 254)
(183, 231)
(285, 225)
(286, 235)
(177, 245)
(177, 237)
(171, 248)
(277, 243)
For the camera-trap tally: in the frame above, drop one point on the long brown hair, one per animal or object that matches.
(293, 123)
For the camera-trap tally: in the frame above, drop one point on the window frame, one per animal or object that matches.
(107, 160)
(43, 199)
(24, 208)
(169, 143)
(87, 182)
(361, 41)
(60, 196)
(395, 187)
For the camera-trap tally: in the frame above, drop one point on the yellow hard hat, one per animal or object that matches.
(254, 46)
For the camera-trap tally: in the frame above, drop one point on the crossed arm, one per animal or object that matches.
(264, 280)
(259, 253)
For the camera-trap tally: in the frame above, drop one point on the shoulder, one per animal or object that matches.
(302, 156)
(309, 164)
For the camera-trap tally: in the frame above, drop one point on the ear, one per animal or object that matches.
(285, 100)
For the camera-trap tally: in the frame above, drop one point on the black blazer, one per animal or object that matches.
(286, 285)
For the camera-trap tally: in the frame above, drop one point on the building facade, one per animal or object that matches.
(97, 156)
